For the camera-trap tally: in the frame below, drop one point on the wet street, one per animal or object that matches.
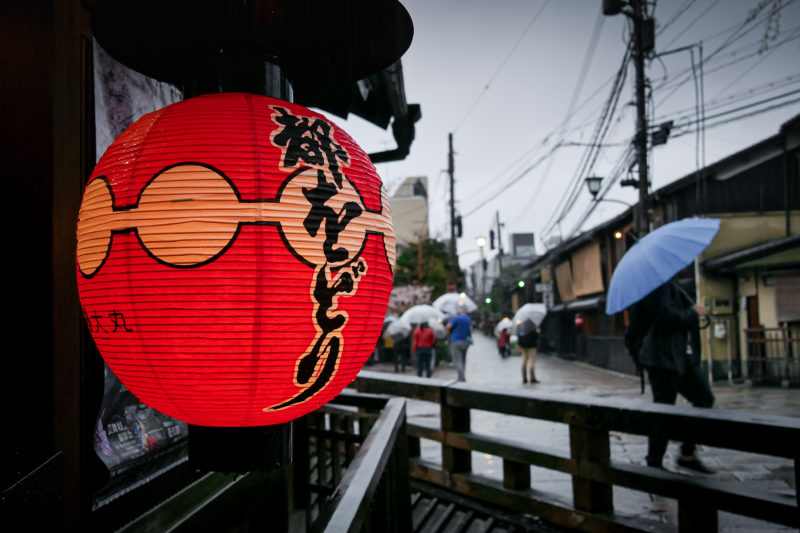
(558, 376)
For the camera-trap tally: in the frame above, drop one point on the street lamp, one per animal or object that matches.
(593, 183)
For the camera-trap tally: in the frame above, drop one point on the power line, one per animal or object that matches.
(619, 169)
(792, 35)
(711, 105)
(694, 21)
(502, 64)
(590, 155)
(745, 107)
(732, 37)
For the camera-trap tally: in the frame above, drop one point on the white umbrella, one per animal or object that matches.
(452, 303)
(439, 331)
(506, 323)
(529, 316)
(421, 313)
(398, 329)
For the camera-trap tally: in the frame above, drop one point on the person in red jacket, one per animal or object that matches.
(422, 347)
(503, 343)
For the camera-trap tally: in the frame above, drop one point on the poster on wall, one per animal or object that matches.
(127, 432)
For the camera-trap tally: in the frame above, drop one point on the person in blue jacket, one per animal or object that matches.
(460, 328)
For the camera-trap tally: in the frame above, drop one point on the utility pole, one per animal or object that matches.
(641, 214)
(453, 257)
(643, 41)
(499, 242)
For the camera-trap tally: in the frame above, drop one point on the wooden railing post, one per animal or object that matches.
(696, 516)
(590, 446)
(401, 477)
(516, 476)
(414, 447)
(455, 419)
(796, 479)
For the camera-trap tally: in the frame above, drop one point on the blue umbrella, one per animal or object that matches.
(656, 258)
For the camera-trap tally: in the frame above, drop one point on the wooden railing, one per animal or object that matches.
(350, 474)
(373, 492)
(773, 355)
(588, 460)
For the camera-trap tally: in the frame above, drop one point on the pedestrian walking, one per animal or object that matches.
(422, 346)
(460, 328)
(664, 330)
(503, 343)
(528, 343)
(401, 355)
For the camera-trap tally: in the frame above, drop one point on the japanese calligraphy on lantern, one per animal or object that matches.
(273, 331)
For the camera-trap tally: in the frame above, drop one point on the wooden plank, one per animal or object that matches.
(744, 431)
(484, 525)
(739, 430)
(349, 397)
(441, 514)
(428, 389)
(350, 502)
(550, 508)
(588, 446)
(421, 512)
(543, 456)
(735, 497)
(459, 522)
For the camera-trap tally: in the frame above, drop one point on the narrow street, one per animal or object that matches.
(559, 377)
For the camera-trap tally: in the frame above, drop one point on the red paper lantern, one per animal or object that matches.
(235, 258)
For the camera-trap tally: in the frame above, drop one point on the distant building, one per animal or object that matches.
(522, 252)
(522, 245)
(410, 211)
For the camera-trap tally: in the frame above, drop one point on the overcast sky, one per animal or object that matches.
(521, 85)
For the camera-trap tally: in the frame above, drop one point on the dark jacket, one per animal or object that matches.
(667, 324)
(529, 340)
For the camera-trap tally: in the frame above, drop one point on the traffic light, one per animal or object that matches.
(459, 228)
(521, 284)
(491, 239)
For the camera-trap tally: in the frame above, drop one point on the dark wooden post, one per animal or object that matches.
(414, 447)
(796, 478)
(696, 516)
(590, 445)
(454, 419)
(402, 480)
(516, 476)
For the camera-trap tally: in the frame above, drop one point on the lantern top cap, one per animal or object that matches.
(347, 40)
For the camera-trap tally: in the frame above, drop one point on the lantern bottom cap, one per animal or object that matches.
(240, 449)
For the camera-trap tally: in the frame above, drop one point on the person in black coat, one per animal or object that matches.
(667, 323)
(528, 343)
